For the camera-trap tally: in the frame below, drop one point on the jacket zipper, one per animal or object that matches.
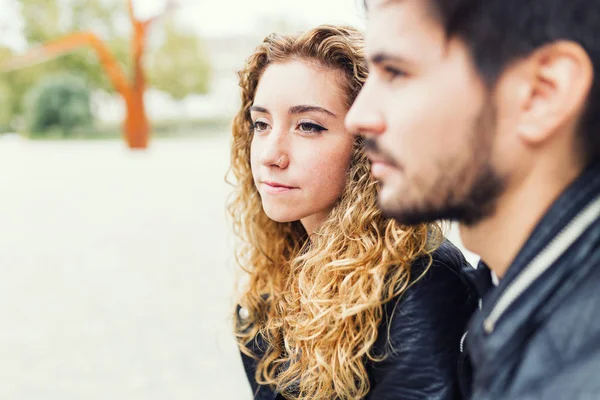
(543, 261)
(462, 342)
(464, 336)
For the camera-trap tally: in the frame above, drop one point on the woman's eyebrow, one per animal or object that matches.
(304, 108)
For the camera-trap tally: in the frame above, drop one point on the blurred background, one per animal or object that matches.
(117, 270)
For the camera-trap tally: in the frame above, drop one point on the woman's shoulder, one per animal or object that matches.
(439, 284)
(422, 328)
(440, 274)
(436, 276)
(447, 258)
(438, 299)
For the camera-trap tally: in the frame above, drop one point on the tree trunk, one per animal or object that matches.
(137, 127)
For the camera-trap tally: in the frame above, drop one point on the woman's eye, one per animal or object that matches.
(310, 127)
(260, 126)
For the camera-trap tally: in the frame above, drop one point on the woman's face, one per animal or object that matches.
(300, 150)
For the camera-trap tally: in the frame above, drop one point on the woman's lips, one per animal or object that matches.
(277, 188)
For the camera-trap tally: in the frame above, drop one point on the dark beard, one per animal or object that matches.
(465, 205)
(478, 204)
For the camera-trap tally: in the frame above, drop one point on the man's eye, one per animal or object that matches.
(393, 73)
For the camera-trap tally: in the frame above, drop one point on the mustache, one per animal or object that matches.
(373, 149)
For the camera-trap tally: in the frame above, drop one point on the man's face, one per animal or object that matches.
(427, 118)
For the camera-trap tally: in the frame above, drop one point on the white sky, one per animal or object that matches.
(222, 17)
(226, 16)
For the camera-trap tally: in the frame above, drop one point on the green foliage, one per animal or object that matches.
(161, 129)
(180, 65)
(5, 108)
(177, 65)
(60, 103)
(44, 21)
(12, 86)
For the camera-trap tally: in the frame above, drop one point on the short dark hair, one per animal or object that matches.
(498, 32)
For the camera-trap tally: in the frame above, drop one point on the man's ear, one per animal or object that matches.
(553, 90)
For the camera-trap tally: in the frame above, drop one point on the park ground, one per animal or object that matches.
(117, 271)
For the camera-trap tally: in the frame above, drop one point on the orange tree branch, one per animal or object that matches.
(67, 44)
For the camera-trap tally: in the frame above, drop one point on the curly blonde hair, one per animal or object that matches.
(317, 301)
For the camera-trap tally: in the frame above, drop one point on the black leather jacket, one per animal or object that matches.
(425, 333)
(538, 333)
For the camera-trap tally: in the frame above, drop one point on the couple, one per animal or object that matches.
(480, 112)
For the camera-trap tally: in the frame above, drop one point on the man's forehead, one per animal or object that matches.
(401, 14)
(426, 6)
(401, 26)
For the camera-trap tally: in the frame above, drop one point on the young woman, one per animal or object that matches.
(340, 301)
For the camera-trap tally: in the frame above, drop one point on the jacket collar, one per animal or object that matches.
(479, 278)
(569, 204)
(487, 348)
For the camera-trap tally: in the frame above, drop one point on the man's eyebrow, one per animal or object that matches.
(381, 57)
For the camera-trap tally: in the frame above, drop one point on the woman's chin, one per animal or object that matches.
(282, 216)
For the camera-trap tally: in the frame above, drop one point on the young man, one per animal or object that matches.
(487, 112)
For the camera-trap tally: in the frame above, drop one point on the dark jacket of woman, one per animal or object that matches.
(424, 326)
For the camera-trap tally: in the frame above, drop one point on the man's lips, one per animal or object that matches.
(380, 170)
(378, 158)
(380, 166)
